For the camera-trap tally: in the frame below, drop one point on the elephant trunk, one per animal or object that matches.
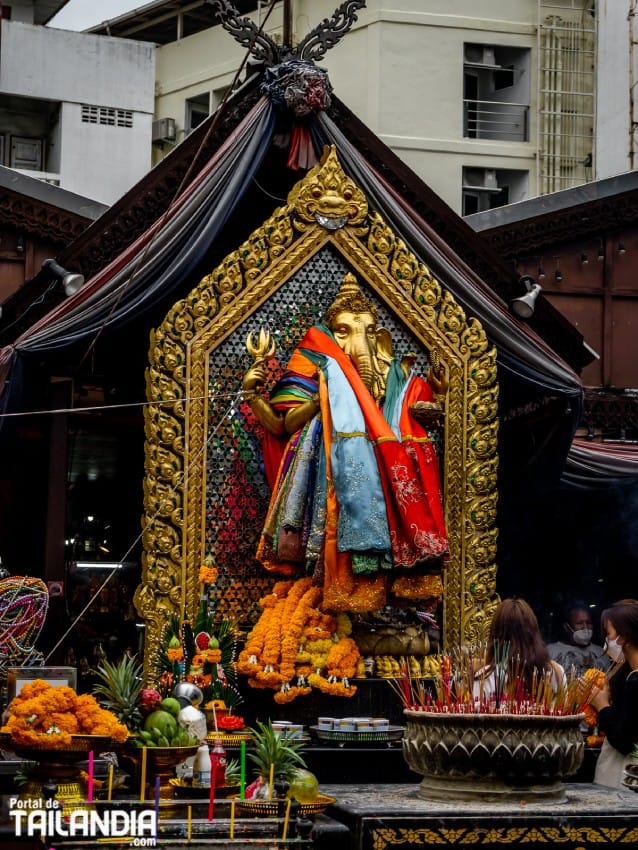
(363, 362)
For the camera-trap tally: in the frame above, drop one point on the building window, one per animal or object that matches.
(197, 110)
(26, 153)
(496, 92)
(107, 116)
(488, 188)
(566, 97)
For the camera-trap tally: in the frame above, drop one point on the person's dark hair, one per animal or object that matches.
(516, 624)
(623, 616)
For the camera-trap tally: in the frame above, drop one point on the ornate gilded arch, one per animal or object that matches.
(204, 490)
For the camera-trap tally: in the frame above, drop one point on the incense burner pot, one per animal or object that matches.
(492, 756)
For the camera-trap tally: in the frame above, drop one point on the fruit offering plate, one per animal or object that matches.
(183, 789)
(270, 808)
(342, 736)
(75, 751)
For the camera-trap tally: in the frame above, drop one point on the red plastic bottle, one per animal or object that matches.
(218, 764)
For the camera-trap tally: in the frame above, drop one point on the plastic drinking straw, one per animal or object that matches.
(271, 781)
(211, 799)
(89, 793)
(157, 799)
(110, 787)
(189, 823)
(232, 820)
(242, 770)
(143, 777)
(286, 819)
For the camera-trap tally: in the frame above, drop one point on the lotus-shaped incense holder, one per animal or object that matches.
(492, 756)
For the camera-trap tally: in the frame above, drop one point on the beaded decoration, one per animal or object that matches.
(24, 602)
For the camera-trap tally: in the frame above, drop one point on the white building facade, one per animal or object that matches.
(489, 101)
(75, 109)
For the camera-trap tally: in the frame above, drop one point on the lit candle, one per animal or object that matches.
(232, 819)
(242, 769)
(211, 799)
(110, 791)
(190, 823)
(286, 819)
(89, 793)
(143, 777)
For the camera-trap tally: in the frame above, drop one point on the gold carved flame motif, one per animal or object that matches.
(325, 211)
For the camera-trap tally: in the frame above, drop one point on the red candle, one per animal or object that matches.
(211, 799)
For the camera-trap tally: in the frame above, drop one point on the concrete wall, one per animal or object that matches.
(615, 148)
(66, 70)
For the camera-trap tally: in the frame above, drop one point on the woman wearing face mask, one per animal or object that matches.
(617, 701)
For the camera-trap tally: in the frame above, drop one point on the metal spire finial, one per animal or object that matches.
(314, 46)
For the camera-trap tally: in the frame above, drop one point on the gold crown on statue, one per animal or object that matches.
(349, 299)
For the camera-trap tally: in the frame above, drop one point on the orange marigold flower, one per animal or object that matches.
(175, 653)
(207, 574)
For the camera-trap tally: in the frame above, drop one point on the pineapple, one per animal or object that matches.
(119, 690)
(274, 748)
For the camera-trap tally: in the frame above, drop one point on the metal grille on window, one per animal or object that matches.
(566, 98)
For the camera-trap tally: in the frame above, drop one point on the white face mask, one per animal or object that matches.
(613, 648)
(582, 637)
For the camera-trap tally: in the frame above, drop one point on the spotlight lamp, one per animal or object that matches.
(71, 281)
(524, 305)
(584, 259)
(621, 248)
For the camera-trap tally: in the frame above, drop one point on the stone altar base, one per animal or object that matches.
(388, 816)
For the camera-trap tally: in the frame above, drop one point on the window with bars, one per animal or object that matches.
(566, 96)
(107, 116)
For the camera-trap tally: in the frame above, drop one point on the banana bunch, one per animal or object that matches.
(155, 738)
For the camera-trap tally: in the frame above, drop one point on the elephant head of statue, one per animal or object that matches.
(353, 320)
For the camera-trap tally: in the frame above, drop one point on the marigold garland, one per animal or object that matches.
(291, 643)
(46, 716)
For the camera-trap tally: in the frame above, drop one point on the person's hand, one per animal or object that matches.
(597, 697)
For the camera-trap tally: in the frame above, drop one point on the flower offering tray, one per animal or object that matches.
(270, 808)
(183, 789)
(361, 738)
(70, 753)
(630, 777)
(229, 739)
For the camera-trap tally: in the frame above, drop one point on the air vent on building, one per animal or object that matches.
(164, 130)
(107, 116)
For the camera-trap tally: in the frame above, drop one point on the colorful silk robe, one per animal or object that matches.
(357, 499)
